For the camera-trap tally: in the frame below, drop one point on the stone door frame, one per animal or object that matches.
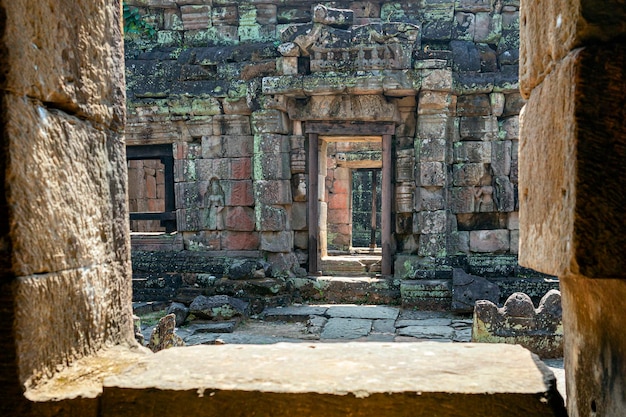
(347, 130)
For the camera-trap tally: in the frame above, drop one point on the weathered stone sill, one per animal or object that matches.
(373, 379)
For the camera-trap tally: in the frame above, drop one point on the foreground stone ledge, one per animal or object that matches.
(421, 379)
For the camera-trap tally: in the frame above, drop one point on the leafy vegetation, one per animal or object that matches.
(135, 24)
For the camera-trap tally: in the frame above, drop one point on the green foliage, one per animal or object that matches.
(134, 23)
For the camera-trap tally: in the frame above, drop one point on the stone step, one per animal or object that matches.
(345, 289)
(426, 294)
(350, 265)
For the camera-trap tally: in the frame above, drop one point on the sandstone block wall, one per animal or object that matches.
(571, 164)
(66, 288)
(231, 85)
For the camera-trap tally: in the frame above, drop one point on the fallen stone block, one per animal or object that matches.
(218, 307)
(467, 289)
(180, 311)
(518, 322)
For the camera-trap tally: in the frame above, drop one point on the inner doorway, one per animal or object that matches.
(365, 210)
(351, 191)
(324, 211)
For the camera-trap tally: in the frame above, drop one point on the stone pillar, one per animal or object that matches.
(65, 283)
(572, 153)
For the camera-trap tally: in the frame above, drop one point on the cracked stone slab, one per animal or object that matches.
(462, 335)
(427, 332)
(421, 315)
(292, 313)
(363, 312)
(218, 327)
(315, 324)
(342, 328)
(424, 322)
(384, 326)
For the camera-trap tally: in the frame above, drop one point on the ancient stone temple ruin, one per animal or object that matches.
(339, 138)
(67, 345)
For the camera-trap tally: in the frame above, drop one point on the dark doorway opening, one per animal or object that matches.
(366, 214)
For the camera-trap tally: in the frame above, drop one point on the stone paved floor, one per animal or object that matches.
(339, 323)
(332, 323)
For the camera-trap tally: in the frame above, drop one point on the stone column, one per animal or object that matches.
(572, 176)
(65, 261)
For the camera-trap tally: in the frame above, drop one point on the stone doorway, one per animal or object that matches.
(350, 236)
(347, 146)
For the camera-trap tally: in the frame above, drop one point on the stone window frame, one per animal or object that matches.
(164, 154)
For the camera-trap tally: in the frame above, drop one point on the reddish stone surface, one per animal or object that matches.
(341, 186)
(338, 201)
(338, 216)
(238, 193)
(240, 241)
(240, 219)
(240, 168)
(156, 205)
(150, 187)
(489, 240)
(342, 229)
(272, 219)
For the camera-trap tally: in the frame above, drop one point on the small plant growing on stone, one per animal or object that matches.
(134, 23)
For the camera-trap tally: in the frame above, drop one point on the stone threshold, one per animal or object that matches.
(335, 379)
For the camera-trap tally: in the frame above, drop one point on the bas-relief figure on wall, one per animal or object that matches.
(213, 203)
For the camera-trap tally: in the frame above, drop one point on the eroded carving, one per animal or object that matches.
(518, 322)
(214, 206)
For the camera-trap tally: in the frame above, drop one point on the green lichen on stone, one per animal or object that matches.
(247, 15)
(392, 12)
(409, 269)
(175, 22)
(237, 90)
(189, 170)
(257, 167)
(330, 238)
(169, 38)
(282, 85)
(250, 33)
(206, 280)
(224, 312)
(495, 30)
(443, 12)
(210, 36)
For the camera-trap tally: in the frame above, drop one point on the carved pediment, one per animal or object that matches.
(333, 44)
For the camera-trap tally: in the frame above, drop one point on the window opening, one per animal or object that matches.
(151, 188)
